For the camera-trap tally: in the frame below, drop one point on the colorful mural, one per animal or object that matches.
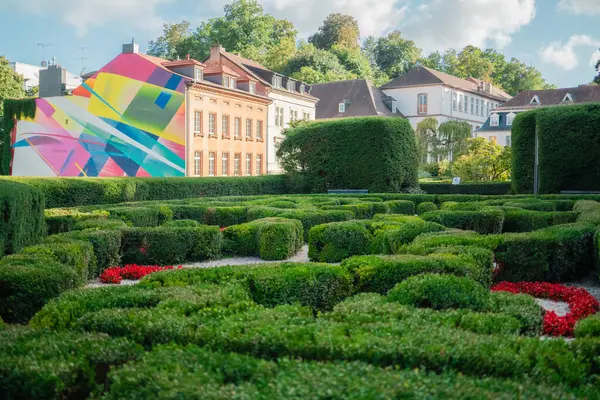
(126, 120)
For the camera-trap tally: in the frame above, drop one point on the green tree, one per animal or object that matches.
(166, 45)
(597, 78)
(314, 65)
(433, 60)
(396, 55)
(426, 133)
(11, 87)
(369, 45)
(337, 29)
(471, 62)
(446, 141)
(484, 161)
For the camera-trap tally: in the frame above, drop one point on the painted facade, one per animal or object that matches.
(127, 119)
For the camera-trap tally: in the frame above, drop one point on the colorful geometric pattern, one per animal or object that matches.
(126, 120)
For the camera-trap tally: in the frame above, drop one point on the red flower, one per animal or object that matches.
(132, 272)
(581, 303)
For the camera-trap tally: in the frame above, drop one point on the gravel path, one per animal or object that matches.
(560, 308)
(591, 284)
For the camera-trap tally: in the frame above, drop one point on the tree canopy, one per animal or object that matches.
(484, 161)
(597, 78)
(446, 141)
(11, 83)
(335, 51)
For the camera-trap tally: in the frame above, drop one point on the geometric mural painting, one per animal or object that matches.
(126, 120)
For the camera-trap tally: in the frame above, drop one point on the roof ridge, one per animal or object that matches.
(370, 90)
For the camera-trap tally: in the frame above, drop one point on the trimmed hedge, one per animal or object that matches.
(22, 211)
(484, 221)
(209, 215)
(487, 188)
(588, 327)
(373, 153)
(405, 207)
(142, 216)
(516, 220)
(269, 238)
(61, 220)
(336, 241)
(568, 142)
(425, 207)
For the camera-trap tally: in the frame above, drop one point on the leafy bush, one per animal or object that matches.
(440, 292)
(77, 253)
(516, 220)
(22, 209)
(182, 223)
(425, 207)
(489, 323)
(483, 188)
(373, 153)
(142, 216)
(310, 218)
(336, 241)
(588, 327)
(360, 210)
(208, 215)
(61, 220)
(99, 224)
(484, 221)
(405, 207)
(37, 364)
(533, 205)
(395, 231)
(520, 306)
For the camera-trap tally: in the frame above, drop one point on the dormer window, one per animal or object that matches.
(197, 73)
(302, 88)
(252, 87)
(535, 101)
(394, 106)
(510, 117)
(567, 98)
(494, 120)
(342, 107)
(228, 82)
(277, 81)
(291, 85)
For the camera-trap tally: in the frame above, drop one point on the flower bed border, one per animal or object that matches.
(581, 303)
(114, 275)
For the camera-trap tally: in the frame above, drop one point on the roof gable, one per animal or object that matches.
(555, 97)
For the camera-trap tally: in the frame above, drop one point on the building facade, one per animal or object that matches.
(31, 75)
(290, 99)
(424, 92)
(497, 128)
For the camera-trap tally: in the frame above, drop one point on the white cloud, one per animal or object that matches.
(84, 15)
(564, 55)
(580, 6)
(442, 24)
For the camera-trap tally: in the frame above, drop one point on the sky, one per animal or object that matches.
(559, 37)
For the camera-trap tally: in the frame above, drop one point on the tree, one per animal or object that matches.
(166, 45)
(597, 78)
(337, 29)
(396, 55)
(369, 45)
(426, 133)
(471, 62)
(484, 161)
(433, 60)
(446, 141)
(11, 83)
(313, 65)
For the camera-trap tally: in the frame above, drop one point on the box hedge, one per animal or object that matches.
(373, 153)
(483, 188)
(484, 221)
(425, 207)
(142, 216)
(516, 220)
(336, 241)
(61, 220)
(405, 207)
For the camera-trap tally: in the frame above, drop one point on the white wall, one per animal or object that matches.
(501, 136)
(407, 99)
(280, 99)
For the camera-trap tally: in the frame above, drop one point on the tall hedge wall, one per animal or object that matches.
(13, 109)
(568, 149)
(70, 192)
(374, 153)
(22, 216)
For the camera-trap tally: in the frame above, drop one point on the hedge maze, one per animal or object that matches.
(395, 301)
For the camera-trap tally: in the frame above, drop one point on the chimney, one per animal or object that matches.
(53, 81)
(215, 52)
(131, 48)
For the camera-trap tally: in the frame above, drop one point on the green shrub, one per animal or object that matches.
(22, 210)
(61, 220)
(523, 151)
(99, 224)
(77, 253)
(588, 327)
(394, 231)
(405, 207)
(379, 274)
(142, 216)
(589, 212)
(311, 218)
(283, 204)
(373, 153)
(532, 204)
(484, 221)
(440, 292)
(209, 215)
(182, 223)
(260, 212)
(520, 306)
(489, 323)
(516, 220)
(170, 246)
(336, 241)
(484, 188)
(28, 281)
(360, 210)
(37, 364)
(426, 207)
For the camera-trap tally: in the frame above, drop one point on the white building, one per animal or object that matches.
(291, 98)
(424, 92)
(31, 75)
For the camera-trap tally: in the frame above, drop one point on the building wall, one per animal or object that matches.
(204, 143)
(126, 120)
(499, 137)
(274, 131)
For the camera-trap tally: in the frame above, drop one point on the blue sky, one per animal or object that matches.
(559, 37)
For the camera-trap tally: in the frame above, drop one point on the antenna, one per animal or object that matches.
(82, 58)
(43, 46)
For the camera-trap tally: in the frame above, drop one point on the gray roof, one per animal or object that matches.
(362, 99)
(554, 97)
(420, 76)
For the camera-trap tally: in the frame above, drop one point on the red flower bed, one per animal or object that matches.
(133, 272)
(581, 303)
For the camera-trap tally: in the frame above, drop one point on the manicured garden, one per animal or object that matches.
(404, 295)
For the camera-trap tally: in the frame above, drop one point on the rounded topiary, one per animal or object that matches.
(426, 206)
(588, 327)
(440, 292)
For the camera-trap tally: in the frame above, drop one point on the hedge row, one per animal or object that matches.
(491, 188)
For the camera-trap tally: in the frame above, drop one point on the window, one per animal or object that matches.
(248, 164)
(232, 83)
(259, 130)
(466, 107)
(197, 123)
(472, 105)
(422, 107)
(567, 98)
(510, 118)
(460, 102)
(306, 116)
(454, 101)
(197, 73)
(494, 139)
(252, 87)
(394, 106)
(259, 164)
(535, 101)
(477, 107)
(248, 128)
(212, 129)
(293, 115)
(279, 116)
(342, 107)
(237, 161)
(494, 120)
(302, 88)
(291, 85)
(508, 141)
(237, 128)
(197, 163)
(225, 81)
(225, 125)
(211, 164)
(487, 109)
(276, 81)
(225, 164)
